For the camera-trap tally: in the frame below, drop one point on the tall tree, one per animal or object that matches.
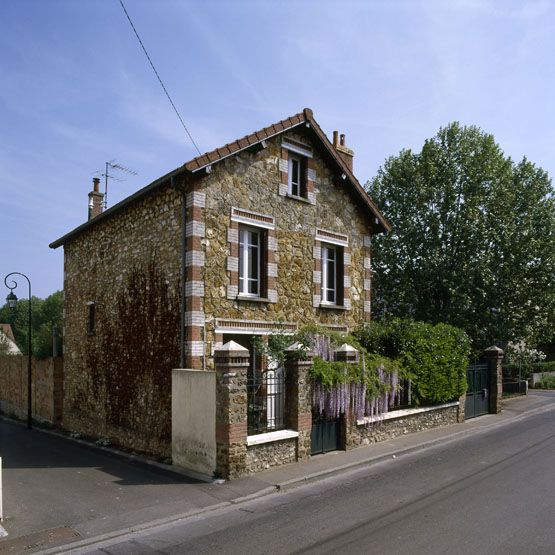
(473, 239)
(47, 315)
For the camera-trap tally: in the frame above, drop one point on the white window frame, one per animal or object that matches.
(301, 160)
(244, 279)
(327, 248)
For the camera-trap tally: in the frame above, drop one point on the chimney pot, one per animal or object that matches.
(335, 138)
(342, 139)
(96, 184)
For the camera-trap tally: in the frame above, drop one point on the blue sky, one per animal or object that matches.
(76, 91)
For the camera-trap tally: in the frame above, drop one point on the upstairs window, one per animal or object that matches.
(250, 261)
(332, 274)
(297, 175)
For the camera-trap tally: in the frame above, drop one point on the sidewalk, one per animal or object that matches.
(57, 491)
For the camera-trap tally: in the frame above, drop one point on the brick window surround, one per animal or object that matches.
(303, 151)
(367, 277)
(266, 225)
(343, 274)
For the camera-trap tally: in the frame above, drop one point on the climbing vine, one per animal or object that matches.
(132, 355)
(370, 386)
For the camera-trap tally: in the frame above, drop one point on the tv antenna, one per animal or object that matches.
(113, 165)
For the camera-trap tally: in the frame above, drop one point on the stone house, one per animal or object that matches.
(7, 337)
(265, 234)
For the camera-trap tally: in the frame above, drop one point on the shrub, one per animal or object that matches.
(435, 356)
(547, 382)
(526, 370)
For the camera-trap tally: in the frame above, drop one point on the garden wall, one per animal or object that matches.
(47, 388)
(400, 422)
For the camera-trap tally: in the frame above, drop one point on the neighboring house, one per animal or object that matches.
(265, 234)
(6, 335)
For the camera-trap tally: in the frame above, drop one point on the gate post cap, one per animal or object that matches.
(494, 350)
(231, 347)
(346, 348)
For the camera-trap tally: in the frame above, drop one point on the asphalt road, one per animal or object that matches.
(491, 493)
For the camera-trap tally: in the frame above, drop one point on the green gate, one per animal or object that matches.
(477, 396)
(325, 435)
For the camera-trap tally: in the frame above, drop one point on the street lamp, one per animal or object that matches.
(11, 299)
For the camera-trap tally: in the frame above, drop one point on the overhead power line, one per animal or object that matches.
(158, 76)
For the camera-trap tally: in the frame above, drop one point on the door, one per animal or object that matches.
(477, 395)
(325, 435)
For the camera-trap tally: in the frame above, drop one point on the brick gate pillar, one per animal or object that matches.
(299, 397)
(231, 364)
(494, 357)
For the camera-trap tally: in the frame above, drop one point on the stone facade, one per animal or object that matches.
(251, 181)
(115, 386)
(154, 285)
(358, 435)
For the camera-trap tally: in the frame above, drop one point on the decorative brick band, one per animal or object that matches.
(347, 278)
(332, 237)
(195, 231)
(252, 218)
(317, 274)
(256, 327)
(367, 278)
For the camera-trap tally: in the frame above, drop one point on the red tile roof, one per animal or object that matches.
(218, 154)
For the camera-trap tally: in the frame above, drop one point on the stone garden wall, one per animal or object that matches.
(398, 423)
(266, 455)
(47, 388)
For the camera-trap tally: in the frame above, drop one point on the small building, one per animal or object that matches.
(260, 236)
(7, 336)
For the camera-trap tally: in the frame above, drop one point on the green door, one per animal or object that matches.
(477, 395)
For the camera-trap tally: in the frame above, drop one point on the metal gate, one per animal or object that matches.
(477, 395)
(325, 435)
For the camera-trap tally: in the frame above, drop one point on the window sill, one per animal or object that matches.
(301, 199)
(333, 306)
(269, 437)
(246, 298)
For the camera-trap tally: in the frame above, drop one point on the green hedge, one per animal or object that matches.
(435, 357)
(547, 382)
(526, 370)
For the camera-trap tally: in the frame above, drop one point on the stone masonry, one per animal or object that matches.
(128, 267)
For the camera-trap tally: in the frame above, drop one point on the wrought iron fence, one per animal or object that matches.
(266, 401)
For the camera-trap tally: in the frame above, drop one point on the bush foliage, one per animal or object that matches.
(435, 356)
(547, 382)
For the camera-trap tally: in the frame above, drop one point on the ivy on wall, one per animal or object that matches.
(132, 353)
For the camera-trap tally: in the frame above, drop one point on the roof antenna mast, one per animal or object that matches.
(113, 165)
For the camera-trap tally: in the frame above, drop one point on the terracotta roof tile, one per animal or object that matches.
(231, 148)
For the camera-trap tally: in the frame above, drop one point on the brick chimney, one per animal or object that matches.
(345, 153)
(96, 199)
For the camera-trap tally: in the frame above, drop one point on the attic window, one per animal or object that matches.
(297, 175)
